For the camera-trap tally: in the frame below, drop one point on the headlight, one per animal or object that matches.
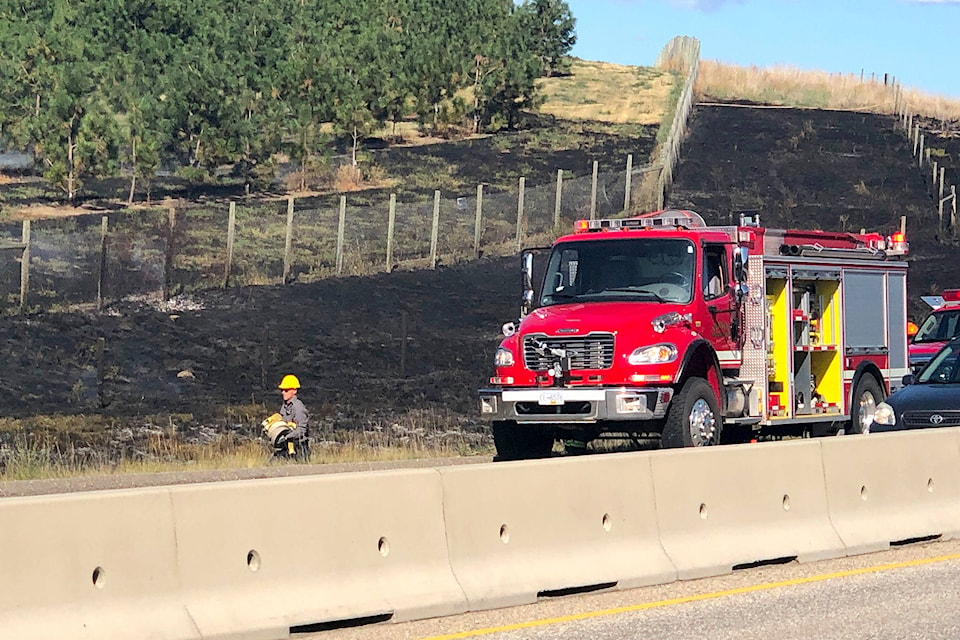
(885, 414)
(657, 354)
(504, 358)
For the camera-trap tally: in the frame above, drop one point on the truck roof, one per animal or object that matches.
(772, 242)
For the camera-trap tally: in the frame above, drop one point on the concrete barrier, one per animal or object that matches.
(516, 530)
(91, 565)
(258, 558)
(739, 505)
(262, 558)
(889, 487)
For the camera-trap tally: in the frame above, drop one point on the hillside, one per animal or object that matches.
(400, 356)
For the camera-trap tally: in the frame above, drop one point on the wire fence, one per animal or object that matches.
(161, 253)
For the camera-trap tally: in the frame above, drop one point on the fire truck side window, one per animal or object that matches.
(715, 277)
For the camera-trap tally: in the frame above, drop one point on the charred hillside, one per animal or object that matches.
(813, 169)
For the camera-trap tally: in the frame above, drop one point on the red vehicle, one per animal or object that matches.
(659, 326)
(937, 329)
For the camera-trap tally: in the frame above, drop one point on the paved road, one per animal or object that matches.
(910, 592)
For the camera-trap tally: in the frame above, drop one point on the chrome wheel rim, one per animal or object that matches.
(868, 407)
(703, 424)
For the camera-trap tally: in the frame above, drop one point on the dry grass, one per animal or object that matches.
(608, 93)
(70, 446)
(815, 89)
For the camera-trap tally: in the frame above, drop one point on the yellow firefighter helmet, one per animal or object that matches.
(289, 382)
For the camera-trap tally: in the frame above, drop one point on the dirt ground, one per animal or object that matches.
(407, 351)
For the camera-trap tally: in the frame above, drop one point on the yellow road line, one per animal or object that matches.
(694, 598)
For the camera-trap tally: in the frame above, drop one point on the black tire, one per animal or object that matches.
(516, 442)
(693, 419)
(866, 396)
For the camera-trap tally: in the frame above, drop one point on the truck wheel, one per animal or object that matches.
(693, 419)
(515, 442)
(866, 397)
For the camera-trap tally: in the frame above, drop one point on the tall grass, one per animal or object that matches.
(793, 87)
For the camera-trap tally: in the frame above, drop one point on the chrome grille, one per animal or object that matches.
(592, 351)
(921, 419)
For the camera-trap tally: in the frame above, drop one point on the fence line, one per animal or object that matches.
(922, 155)
(682, 52)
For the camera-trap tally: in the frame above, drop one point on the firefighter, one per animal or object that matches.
(294, 413)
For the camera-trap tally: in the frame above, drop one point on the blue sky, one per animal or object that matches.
(913, 40)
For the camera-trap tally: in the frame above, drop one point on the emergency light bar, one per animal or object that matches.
(670, 218)
(951, 295)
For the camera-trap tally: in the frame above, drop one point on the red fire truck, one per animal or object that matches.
(937, 329)
(659, 326)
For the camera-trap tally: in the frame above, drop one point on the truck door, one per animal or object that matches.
(720, 323)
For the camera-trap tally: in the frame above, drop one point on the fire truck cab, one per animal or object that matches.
(659, 326)
(937, 329)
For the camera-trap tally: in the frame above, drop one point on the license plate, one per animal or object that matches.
(551, 398)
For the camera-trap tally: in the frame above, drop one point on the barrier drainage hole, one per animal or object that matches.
(504, 534)
(607, 522)
(383, 546)
(98, 577)
(786, 503)
(863, 492)
(253, 560)
(703, 511)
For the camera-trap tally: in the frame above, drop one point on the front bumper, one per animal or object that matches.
(574, 405)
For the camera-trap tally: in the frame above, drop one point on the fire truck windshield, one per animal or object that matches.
(939, 326)
(636, 269)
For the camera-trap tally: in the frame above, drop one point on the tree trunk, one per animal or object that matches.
(133, 177)
(356, 139)
(70, 168)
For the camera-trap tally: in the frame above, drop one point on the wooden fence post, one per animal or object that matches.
(391, 221)
(435, 229)
(288, 241)
(102, 275)
(169, 253)
(558, 200)
(920, 155)
(520, 214)
(953, 209)
(24, 264)
(593, 192)
(340, 228)
(626, 189)
(231, 235)
(477, 222)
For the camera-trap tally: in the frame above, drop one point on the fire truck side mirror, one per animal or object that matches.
(527, 302)
(740, 258)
